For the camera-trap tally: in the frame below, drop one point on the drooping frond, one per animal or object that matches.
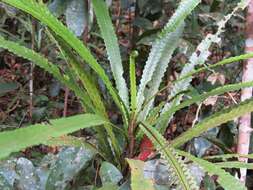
(213, 121)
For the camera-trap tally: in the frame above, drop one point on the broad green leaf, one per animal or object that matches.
(69, 163)
(58, 7)
(227, 181)
(18, 139)
(77, 16)
(109, 187)
(109, 174)
(71, 141)
(138, 181)
(112, 47)
(213, 121)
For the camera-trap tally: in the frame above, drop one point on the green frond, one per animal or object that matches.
(162, 50)
(43, 63)
(170, 43)
(133, 87)
(176, 166)
(197, 58)
(97, 101)
(235, 164)
(218, 64)
(112, 47)
(41, 12)
(228, 156)
(227, 181)
(18, 139)
(213, 121)
(217, 91)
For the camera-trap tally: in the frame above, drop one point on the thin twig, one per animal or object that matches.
(197, 115)
(65, 109)
(33, 33)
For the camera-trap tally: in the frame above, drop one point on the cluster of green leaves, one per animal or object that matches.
(139, 114)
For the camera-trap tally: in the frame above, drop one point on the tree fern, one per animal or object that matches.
(198, 58)
(160, 54)
(213, 121)
(176, 166)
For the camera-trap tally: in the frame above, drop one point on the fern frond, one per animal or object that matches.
(170, 43)
(18, 139)
(227, 181)
(163, 48)
(197, 58)
(133, 87)
(213, 121)
(96, 99)
(229, 156)
(70, 141)
(43, 63)
(41, 12)
(112, 47)
(177, 168)
(218, 64)
(217, 91)
(235, 164)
